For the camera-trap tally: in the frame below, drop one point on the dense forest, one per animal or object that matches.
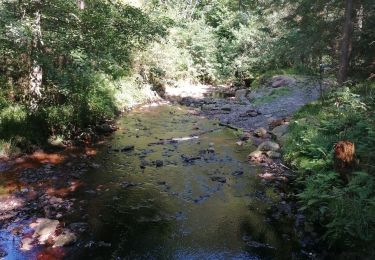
(68, 67)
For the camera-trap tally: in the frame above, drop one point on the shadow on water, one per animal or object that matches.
(185, 191)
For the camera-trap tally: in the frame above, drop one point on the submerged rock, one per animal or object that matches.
(256, 244)
(79, 227)
(219, 179)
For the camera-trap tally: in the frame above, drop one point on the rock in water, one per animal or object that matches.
(273, 155)
(226, 108)
(260, 132)
(241, 94)
(44, 229)
(256, 155)
(65, 238)
(269, 146)
(279, 131)
(211, 150)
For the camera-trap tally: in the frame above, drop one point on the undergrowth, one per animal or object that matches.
(346, 212)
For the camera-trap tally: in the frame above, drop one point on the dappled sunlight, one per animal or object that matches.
(197, 91)
(62, 192)
(8, 203)
(48, 158)
(90, 151)
(37, 159)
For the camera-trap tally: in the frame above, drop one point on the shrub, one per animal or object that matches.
(345, 211)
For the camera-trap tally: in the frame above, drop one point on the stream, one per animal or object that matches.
(167, 185)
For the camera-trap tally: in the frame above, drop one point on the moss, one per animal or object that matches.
(274, 94)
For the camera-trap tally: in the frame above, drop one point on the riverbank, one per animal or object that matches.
(69, 126)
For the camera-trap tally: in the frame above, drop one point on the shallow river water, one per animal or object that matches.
(186, 191)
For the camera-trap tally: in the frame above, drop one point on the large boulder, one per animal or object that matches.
(282, 81)
(241, 94)
(48, 231)
(65, 238)
(44, 229)
(280, 131)
(273, 155)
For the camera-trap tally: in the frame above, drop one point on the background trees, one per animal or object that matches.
(254, 36)
(55, 54)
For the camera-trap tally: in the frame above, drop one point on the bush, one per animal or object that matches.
(345, 211)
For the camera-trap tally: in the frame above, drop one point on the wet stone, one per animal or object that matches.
(65, 238)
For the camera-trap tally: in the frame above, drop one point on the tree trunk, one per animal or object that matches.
(346, 43)
(36, 71)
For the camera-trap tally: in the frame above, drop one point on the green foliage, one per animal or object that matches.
(81, 52)
(346, 211)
